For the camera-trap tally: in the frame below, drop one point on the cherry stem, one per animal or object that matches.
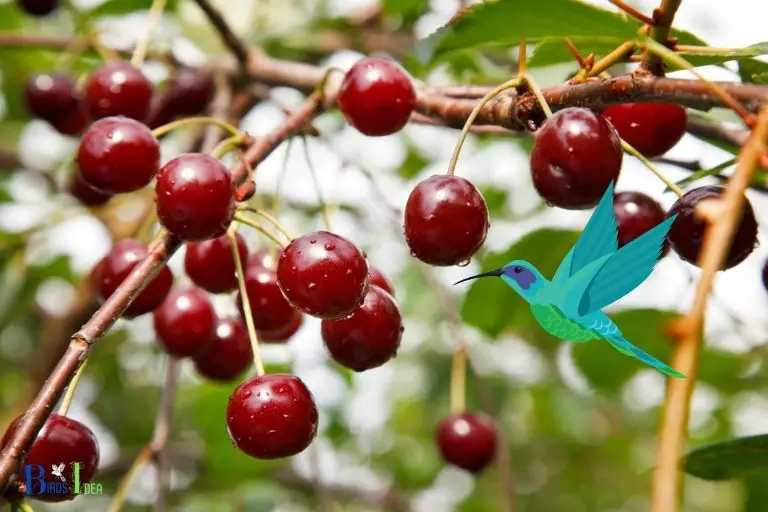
(316, 182)
(70, 393)
(639, 16)
(246, 302)
(522, 59)
(509, 84)
(324, 81)
(21, 506)
(615, 56)
(258, 227)
(227, 145)
(140, 52)
(575, 52)
(166, 128)
(267, 216)
(669, 183)
(142, 459)
(539, 95)
(459, 379)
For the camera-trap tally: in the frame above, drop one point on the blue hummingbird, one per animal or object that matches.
(594, 274)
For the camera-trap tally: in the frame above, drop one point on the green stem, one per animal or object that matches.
(145, 455)
(258, 227)
(459, 379)
(227, 145)
(539, 96)
(669, 183)
(140, 52)
(265, 215)
(67, 400)
(166, 128)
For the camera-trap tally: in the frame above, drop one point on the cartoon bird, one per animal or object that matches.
(594, 274)
(57, 471)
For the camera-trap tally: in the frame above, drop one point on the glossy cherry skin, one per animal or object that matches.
(210, 264)
(195, 197)
(119, 263)
(272, 416)
(687, 232)
(118, 89)
(576, 154)
(229, 355)
(446, 220)
(61, 440)
(269, 308)
(635, 214)
(367, 338)
(85, 193)
(187, 93)
(467, 440)
(379, 279)
(185, 323)
(284, 333)
(118, 155)
(323, 274)
(377, 96)
(51, 96)
(651, 128)
(38, 7)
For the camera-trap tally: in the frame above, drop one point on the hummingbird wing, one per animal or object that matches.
(597, 240)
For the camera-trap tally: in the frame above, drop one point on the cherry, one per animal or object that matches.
(195, 197)
(377, 96)
(687, 232)
(118, 155)
(367, 338)
(118, 89)
(187, 93)
(269, 308)
(74, 124)
(380, 280)
(216, 253)
(229, 355)
(651, 128)
(185, 323)
(635, 214)
(51, 96)
(85, 193)
(323, 274)
(118, 264)
(284, 333)
(576, 154)
(61, 440)
(38, 7)
(446, 220)
(272, 416)
(467, 440)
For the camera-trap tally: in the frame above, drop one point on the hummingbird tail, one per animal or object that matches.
(625, 347)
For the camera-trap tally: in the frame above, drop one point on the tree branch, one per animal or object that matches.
(236, 45)
(662, 25)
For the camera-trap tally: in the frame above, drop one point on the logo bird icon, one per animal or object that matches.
(57, 471)
(594, 274)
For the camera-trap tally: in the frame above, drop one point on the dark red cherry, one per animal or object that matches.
(380, 280)
(211, 265)
(576, 154)
(119, 263)
(229, 355)
(635, 214)
(195, 197)
(118, 89)
(96, 275)
(651, 128)
(367, 338)
(187, 93)
(377, 96)
(185, 323)
(61, 443)
(687, 232)
(284, 333)
(269, 308)
(51, 96)
(118, 155)
(323, 274)
(446, 220)
(85, 193)
(467, 440)
(272, 416)
(38, 7)
(74, 124)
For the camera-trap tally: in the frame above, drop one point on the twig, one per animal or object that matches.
(238, 48)
(662, 24)
(639, 16)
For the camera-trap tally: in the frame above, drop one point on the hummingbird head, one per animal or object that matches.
(522, 276)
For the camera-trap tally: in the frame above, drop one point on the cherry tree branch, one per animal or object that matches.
(662, 25)
(238, 48)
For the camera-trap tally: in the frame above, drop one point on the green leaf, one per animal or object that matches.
(118, 7)
(753, 71)
(728, 460)
(716, 170)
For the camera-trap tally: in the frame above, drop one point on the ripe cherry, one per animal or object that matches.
(118, 264)
(51, 96)
(380, 280)
(118, 89)
(195, 197)
(269, 308)
(85, 193)
(446, 220)
(38, 7)
(377, 96)
(651, 128)
(323, 274)
(635, 214)
(187, 93)
(61, 440)
(687, 232)
(576, 154)
(229, 355)
(367, 338)
(272, 416)
(202, 257)
(118, 155)
(185, 323)
(467, 440)
(284, 333)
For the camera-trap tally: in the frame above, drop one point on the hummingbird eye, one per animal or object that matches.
(517, 270)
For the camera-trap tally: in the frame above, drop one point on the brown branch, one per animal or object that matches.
(662, 25)
(667, 478)
(236, 45)
(639, 16)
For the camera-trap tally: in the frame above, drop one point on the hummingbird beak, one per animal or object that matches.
(490, 273)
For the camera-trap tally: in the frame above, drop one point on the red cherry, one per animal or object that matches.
(38, 7)
(576, 154)
(267, 257)
(272, 416)
(229, 355)
(269, 308)
(51, 96)
(185, 323)
(118, 89)
(216, 253)
(61, 441)
(323, 274)
(195, 197)
(284, 333)
(187, 93)
(367, 338)
(467, 440)
(380, 280)
(118, 155)
(377, 96)
(651, 128)
(446, 220)
(635, 214)
(85, 193)
(96, 275)
(118, 264)
(74, 124)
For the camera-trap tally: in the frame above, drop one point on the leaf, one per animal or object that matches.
(716, 170)
(409, 10)
(118, 7)
(728, 460)
(753, 71)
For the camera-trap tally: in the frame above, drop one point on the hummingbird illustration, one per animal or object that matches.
(594, 274)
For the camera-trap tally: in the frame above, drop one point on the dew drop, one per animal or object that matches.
(463, 263)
